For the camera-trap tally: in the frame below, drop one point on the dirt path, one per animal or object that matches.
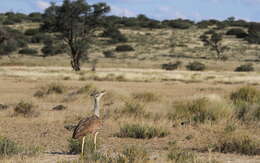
(147, 75)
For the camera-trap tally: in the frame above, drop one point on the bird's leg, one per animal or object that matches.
(83, 144)
(95, 140)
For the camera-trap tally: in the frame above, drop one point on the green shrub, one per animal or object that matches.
(196, 66)
(52, 49)
(8, 47)
(245, 95)
(200, 111)
(239, 33)
(74, 146)
(179, 23)
(39, 93)
(245, 68)
(8, 147)
(109, 54)
(254, 33)
(25, 109)
(21, 43)
(124, 48)
(141, 131)
(57, 88)
(209, 32)
(31, 32)
(171, 66)
(8, 22)
(35, 16)
(115, 35)
(146, 97)
(237, 143)
(38, 38)
(28, 51)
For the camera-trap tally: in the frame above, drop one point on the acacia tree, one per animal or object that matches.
(76, 22)
(214, 41)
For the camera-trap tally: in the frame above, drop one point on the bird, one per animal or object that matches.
(90, 125)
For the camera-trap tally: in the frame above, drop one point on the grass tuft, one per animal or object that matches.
(141, 131)
(181, 156)
(57, 88)
(25, 109)
(8, 147)
(135, 153)
(245, 95)
(200, 111)
(87, 89)
(146, 97)
(133, 108)
(239, 143)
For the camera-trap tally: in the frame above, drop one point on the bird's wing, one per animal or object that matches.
(87, 126)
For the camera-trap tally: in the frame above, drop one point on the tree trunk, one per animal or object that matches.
(75, 62)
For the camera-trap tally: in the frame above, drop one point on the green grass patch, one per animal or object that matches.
(139, 131)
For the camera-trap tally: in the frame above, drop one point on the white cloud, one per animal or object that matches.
(42, 4)
(122, 11)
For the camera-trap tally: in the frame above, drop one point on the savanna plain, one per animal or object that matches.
(150, 114)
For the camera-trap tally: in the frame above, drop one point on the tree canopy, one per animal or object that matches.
(76, 22)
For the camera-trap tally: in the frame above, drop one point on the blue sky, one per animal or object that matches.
(159, 9)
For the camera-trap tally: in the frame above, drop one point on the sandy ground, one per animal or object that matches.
(47, 130)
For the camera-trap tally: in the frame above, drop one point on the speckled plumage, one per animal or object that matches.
(88, 125)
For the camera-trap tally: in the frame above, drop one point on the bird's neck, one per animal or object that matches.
(96, 107)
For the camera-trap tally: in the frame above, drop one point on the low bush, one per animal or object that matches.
(57, 88)
(38, 38)
(245, 68)
(115, 35)
(196, 66)
(179, 23)
(171, 66)
(35, 17)
(52, 88)
(254, 33)
(8, 147)
(25, 109)
(28, 51)
(8, 47)
(109, 54)
(39, 93)
(8, 22)
(139, 131)
(31, 32)
(239, 33)
(53, 49)
(74, 146)
(124, 48)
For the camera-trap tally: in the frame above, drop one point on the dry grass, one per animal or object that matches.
(211, 113)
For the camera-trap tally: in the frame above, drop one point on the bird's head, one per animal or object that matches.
(98, 94)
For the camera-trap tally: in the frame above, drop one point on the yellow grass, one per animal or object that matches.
(47, 130)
